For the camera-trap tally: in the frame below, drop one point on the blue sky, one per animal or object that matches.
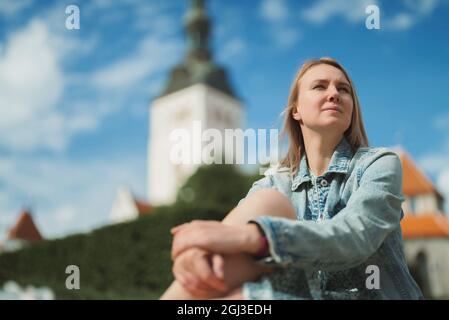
(74, 103)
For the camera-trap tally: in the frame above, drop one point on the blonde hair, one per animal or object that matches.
(355, 134)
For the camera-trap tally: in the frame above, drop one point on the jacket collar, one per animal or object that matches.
(339, 164)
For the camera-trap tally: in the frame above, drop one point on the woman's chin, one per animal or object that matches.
(334, 121)
(330, 125)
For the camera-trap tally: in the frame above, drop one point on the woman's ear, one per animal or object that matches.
(295, 113)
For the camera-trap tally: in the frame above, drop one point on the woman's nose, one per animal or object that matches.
(333, 94)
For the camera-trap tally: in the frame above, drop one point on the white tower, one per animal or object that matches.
(197, 92)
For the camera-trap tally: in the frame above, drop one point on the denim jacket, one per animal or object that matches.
(348, 220)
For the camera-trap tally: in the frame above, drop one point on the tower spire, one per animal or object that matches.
(197, 26)
(198, 65)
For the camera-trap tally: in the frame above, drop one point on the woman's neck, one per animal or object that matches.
(319, 149)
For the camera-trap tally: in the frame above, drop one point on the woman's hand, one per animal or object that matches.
(200, 273)
(216, 237)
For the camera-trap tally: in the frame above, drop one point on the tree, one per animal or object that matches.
(216, 185)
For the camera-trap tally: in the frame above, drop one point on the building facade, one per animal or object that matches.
(425, 230)
(197, 97)
(23, 233)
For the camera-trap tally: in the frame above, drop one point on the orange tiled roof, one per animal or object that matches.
(25, 229)
(414, 182)
(143, 207)
(425, 225)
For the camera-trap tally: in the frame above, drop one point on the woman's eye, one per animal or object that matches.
(318, 87)
(344, 89)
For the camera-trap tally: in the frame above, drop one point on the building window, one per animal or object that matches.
(412, 204)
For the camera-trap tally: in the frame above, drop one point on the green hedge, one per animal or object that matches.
(129, 260)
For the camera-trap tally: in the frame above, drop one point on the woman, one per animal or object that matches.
(324, 225)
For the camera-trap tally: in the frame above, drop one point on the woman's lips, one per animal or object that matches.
(335, 109)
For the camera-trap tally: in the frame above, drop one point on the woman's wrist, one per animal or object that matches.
(257, 243)
(264, 249)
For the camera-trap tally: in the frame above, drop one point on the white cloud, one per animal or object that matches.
(274, 10)
(47, 105)
(93, 6)
(145, 15)
(416, 10)
(422, 7)
(8, 213)
(354, 11)
(69, 43)
(441, 122)
(151, 17)
(31, 87)
(276, 15)
(140, 70)
(36, 113)
(29, 73)
(234, 48)
(286, 37)
(12, 7)
(323, 10)
(82, 122)
(62, 216)
(31, 82)
(154, 54)
(401, 21)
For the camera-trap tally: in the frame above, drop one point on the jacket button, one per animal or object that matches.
(323, 183)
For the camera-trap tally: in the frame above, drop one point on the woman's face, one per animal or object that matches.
(325, 100)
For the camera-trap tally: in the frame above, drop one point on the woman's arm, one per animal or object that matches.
(234, 234)
(354, 234)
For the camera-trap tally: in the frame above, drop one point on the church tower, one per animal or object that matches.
(197, 92)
